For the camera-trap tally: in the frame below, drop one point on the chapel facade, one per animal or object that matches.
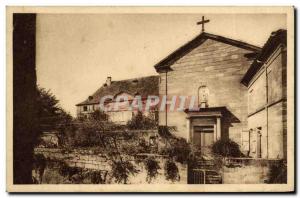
(240, 94)
(219, 72)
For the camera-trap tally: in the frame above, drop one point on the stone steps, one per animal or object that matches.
(213, 177)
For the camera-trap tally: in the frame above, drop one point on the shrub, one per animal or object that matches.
(165, 131)
(99, 115)
(67, 171)
(179, 149)
(140, 121)
(171, 171)
(143, 146)
(152, 167)
(121, 171)
(98, 177)
(39, 165)
(227, 148)
(278, 173)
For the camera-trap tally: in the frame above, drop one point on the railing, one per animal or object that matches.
(198, 176)
(204, 176)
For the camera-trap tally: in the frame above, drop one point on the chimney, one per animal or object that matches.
(108, 81)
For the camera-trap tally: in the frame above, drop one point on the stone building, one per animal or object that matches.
(239, 91)
(267, 100)
(209, 67)
(122, 94)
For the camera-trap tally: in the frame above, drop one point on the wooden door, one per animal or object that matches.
(203, 136)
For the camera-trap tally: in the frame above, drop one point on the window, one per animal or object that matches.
(85, 108)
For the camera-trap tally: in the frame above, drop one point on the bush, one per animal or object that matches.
(278, 173)
(98, 177)
(179, 149)
(99, 115)
(152, 167)
(140, 121)
(171, 171)
(67, 171)
(165, 131)
(227, 148)
(39, 165)
(121, 171)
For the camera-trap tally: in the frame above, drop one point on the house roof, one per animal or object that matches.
(143, 86)
(278, 37)
(164, 64)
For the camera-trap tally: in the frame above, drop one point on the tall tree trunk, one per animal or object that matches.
(24, 96)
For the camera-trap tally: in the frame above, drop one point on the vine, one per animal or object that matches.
(152, 167)
(171, 171)
(122, 170)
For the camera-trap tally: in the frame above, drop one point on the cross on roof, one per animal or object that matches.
(202, 22)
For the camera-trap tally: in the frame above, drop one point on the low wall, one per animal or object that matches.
(101, 163)
(74, 159)
(247, 170)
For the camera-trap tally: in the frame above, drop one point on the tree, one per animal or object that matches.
(49, 113)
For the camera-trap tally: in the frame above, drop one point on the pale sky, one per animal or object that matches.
(76, 52)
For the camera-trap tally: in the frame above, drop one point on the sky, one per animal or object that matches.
(76, 52)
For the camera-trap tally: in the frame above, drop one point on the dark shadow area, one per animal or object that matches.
(24, 96)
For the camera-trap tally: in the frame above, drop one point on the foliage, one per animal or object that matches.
(89, 132)
(278, 173)
(152, 167)
(96, 134)
(68, 171)
(171, 171)
(99, 115)
(47, 103)
(47, 144)
(143, 146)
(49, 111)
(139, 121)
(121, 170)
(179, 149)
(98, 177)
(227, 148)
(50, 115)
(39, 165)
(165, 131)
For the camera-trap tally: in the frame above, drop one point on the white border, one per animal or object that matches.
(148, 188)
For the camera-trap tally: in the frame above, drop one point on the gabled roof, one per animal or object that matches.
(180, 52)
(143, 86)
(278, 37)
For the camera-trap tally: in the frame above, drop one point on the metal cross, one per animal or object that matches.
(202, 22)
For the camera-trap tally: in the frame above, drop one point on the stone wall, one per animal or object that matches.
(101, 163)
(267, 107)
(247, 171)
(220, 67)
(75, 159)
